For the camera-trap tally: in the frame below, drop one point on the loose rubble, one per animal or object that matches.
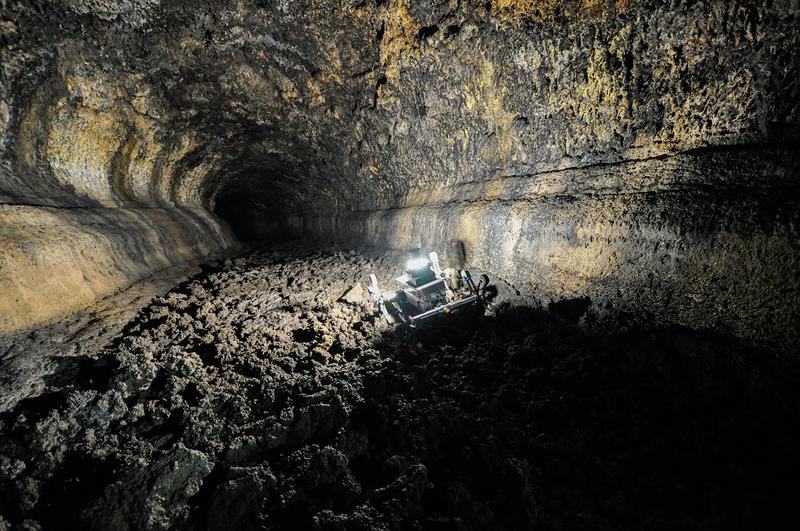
(266, 393)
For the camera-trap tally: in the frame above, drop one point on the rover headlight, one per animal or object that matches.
(416, 264)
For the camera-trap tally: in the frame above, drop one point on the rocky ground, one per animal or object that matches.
(29, 356)
(265, 393)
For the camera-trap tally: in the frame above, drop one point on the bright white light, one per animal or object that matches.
(415, 264)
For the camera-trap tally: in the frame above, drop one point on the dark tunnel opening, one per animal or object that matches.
(256, 203)
(249, 216)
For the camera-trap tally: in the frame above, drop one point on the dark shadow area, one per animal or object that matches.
(524, 420)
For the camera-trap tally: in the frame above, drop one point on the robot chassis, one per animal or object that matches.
(427, 290)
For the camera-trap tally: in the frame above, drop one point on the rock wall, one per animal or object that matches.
(703, 247)
(58, 259)
(639, 153)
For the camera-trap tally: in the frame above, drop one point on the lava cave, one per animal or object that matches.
(194, 194)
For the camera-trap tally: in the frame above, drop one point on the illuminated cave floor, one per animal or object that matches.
(248, 397)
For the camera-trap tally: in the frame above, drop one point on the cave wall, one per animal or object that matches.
(639, 153)
(675, 252)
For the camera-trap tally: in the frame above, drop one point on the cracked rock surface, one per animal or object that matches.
(267, 393)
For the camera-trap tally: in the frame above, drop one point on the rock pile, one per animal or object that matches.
(264, 394)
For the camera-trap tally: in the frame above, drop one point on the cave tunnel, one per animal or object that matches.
(254, 200)
(193, 197)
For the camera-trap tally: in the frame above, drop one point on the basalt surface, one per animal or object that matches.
(642, 153)
(266, 393)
